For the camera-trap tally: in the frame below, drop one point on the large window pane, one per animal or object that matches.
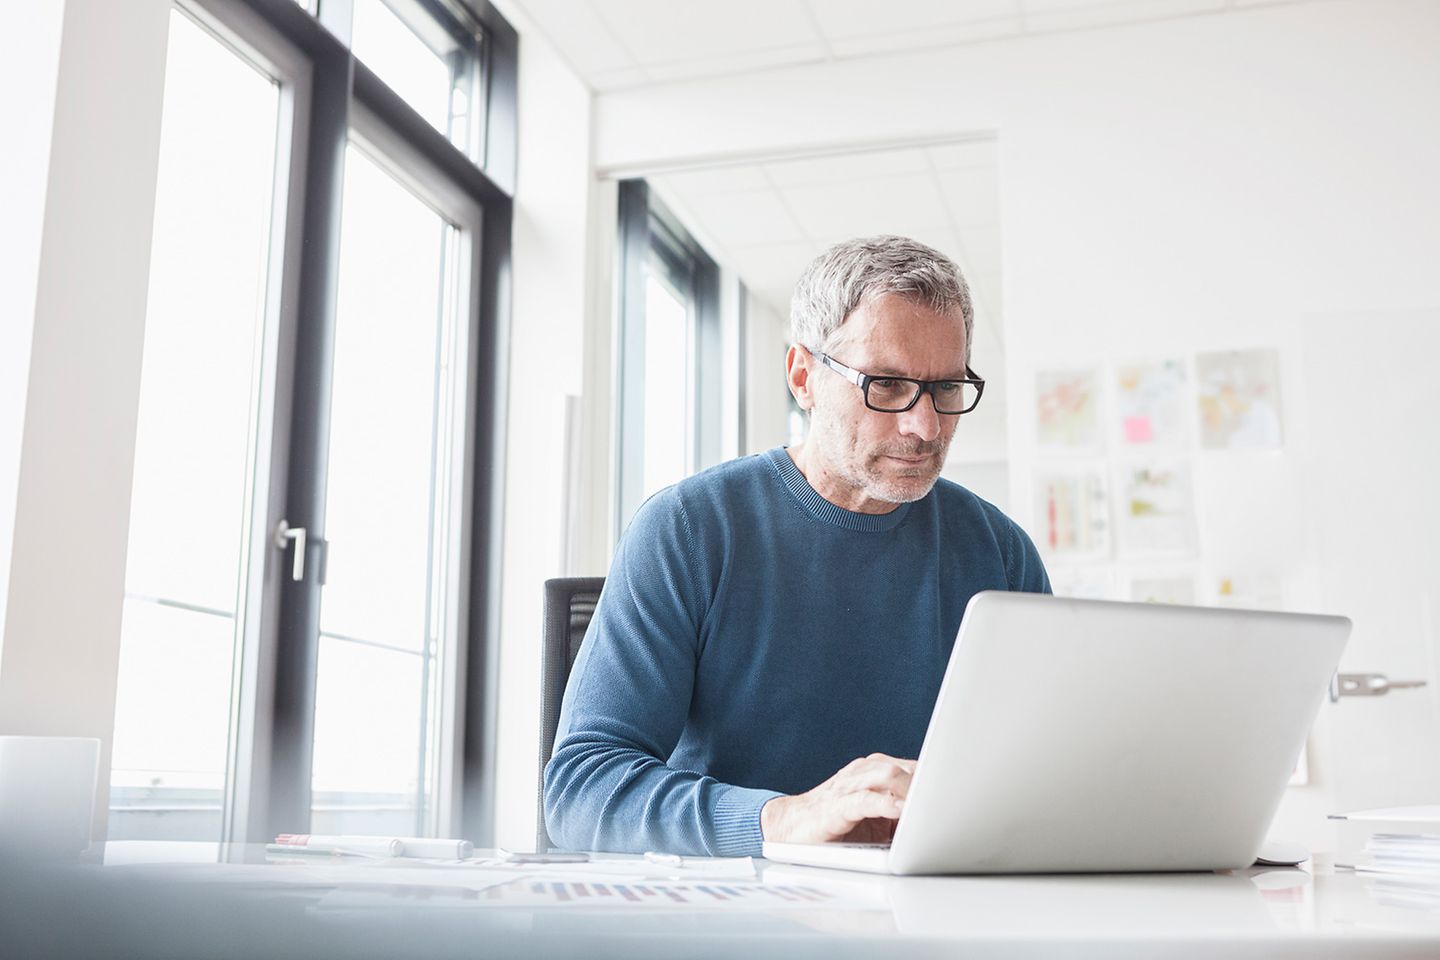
(385, 516)
(433, 65)
(668, 405)
(194, 449)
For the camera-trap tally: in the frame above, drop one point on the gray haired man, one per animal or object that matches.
(773, 631)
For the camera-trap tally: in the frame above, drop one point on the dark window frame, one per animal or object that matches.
(649, 231)
(278, 762)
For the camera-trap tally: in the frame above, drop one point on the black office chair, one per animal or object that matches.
(569, 605)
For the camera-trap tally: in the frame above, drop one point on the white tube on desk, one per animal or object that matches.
(317, 843)
(428, 848)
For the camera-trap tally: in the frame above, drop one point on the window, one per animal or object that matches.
(669, 351)
(430, 57)
(187, 562)
(391, 513)
(313, 488)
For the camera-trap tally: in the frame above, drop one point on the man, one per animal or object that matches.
(782, 617)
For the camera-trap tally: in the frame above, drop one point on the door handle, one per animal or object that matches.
(284, 533)
(1367, 685)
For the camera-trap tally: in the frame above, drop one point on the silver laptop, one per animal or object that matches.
(1093, 736)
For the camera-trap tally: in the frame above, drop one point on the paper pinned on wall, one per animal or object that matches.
(1073, 511)
(1067, 409)
(1239, 399)
(1155, 511)
(1150, 403)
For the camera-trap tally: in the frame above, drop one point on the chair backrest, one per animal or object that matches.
(569, 605)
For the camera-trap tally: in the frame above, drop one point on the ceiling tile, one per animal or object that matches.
(844, 168)
(737, 62)
(908, 204)
(948, 35)
(963, 156)
(676, 31)
(859, 18)
(580, 36)
(604, 81)
(1081, 14)
(695, 183)
(981, 248)
(745, 219)
(972, 197)
(772, 266)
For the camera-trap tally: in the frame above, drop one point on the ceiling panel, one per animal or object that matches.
(1042, 15)
(972, 201)
(908, 203)
(614, 44)
(846, 167)
(745, 219)
(854, 18)
(696, 183)
(739, 62)
(953, 34)
(963, 156)
(672, 31)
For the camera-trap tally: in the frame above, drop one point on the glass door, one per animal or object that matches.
(391, 596)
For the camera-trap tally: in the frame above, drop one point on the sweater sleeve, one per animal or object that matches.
(608, 786)
(1023, 568)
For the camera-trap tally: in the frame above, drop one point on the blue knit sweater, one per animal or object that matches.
(752, 639)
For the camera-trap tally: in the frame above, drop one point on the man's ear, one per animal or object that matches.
(797, 375)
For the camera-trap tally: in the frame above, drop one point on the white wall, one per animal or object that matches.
(29, 62)
(72, 502)
(1204, 183)
(552, 291)
(767, 401)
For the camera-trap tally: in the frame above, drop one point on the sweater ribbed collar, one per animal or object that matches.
(822, 509)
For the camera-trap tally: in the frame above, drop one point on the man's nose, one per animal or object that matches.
(921, 420)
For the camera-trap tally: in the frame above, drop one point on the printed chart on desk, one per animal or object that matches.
(535, 892)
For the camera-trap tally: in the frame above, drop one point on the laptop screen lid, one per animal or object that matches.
(1084, 735)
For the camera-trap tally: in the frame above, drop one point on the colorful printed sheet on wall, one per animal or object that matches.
(1239, 397)
(1150, 403)
(1156, 516)
(1073, 512)
(1066, 405)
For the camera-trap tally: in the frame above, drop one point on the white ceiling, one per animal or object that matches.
(614, 44)
(767, 221)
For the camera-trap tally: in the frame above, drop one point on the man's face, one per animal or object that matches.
(865, 460)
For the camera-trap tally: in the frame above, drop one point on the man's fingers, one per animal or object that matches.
(879, 772)
(868, 804)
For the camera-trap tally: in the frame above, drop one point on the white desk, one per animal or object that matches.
(173, 900)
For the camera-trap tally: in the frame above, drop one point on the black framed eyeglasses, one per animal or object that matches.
(898, 394)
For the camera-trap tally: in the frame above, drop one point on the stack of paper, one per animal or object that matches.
(1402, 852)
(1412, 854)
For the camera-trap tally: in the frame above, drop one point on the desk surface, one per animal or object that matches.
(176, 899)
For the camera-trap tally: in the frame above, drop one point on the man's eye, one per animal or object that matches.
(947, 386)
(884, 384)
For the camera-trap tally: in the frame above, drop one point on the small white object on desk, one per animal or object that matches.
(421, 847)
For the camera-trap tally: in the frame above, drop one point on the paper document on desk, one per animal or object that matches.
(600, 867)
(557, 890)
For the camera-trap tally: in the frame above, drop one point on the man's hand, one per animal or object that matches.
(860, 804)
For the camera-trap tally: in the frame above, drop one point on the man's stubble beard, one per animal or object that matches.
(863, 469)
